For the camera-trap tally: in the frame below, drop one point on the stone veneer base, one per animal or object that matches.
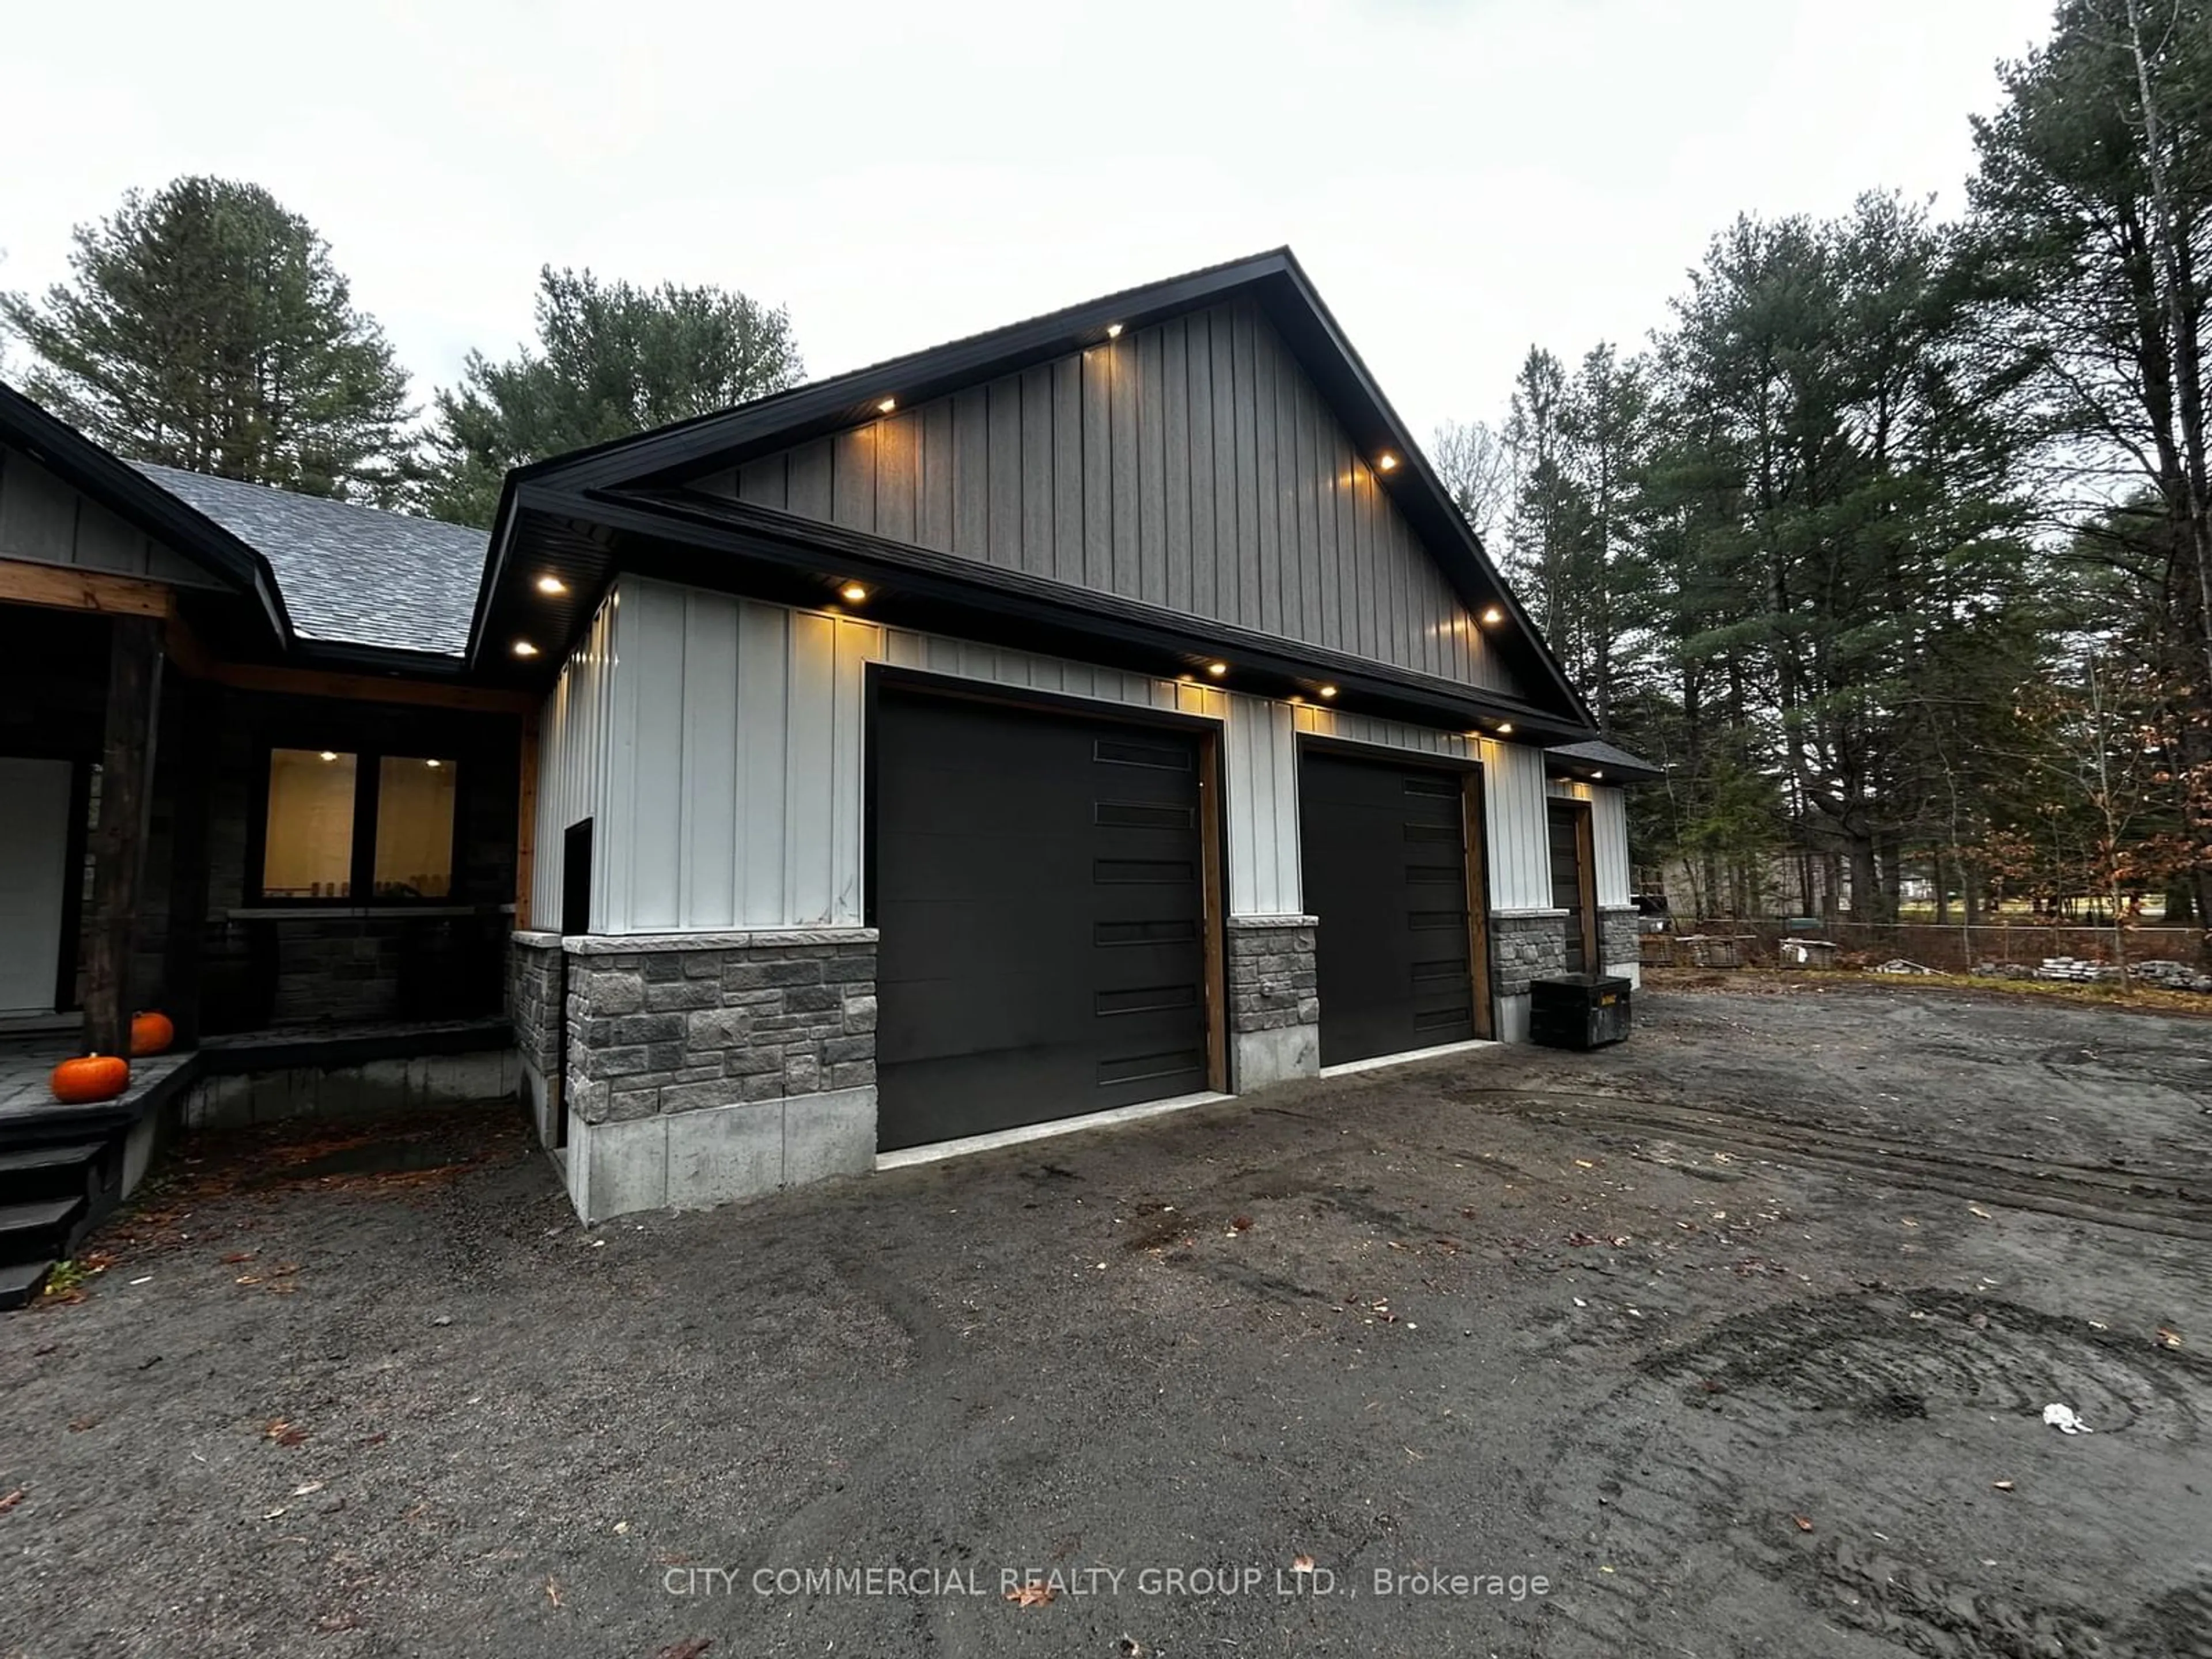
(703, 1067)
(1524, 946)
(1274, 1000)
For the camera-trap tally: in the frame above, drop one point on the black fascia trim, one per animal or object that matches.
(805, 544)
(1613, 771)
(671, 453)
(396, 660)
(674, 454)
(1432, 510)
(124, 490)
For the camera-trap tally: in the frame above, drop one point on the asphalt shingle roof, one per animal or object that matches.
(350, 574)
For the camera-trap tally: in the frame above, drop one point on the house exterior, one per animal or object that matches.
(1105, 714)
(244, 777)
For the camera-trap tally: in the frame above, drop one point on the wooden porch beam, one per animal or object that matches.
(370, 687)
(67, 587)
(126, 777)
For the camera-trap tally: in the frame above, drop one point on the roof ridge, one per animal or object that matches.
(157, 470)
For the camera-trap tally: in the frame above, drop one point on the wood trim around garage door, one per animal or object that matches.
(1476, 830)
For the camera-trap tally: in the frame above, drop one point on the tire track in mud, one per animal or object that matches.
(2170, 1202)
(1695, 1449)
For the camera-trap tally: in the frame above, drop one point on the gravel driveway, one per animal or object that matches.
(1734, 1341)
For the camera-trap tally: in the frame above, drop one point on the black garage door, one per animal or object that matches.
(1385, 871)
(1037, 887)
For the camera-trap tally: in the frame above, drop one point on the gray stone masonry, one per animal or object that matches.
(533, 992)
(1271, 981)
(1617, 936)
(1525, 948)
(681, 1030)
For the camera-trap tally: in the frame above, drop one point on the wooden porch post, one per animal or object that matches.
(188, 862)
(525, 827)
(134, 689)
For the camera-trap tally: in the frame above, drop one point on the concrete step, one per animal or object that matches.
(64, 1170)
(39, 1228)
(22, 1281)
(25, 1158)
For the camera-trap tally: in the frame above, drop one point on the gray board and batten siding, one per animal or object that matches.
(1190, 464)
(43, 520)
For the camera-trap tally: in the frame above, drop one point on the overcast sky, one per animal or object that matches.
(1460, 177)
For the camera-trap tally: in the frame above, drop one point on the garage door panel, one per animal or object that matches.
(1385, 871)
(1037, 890)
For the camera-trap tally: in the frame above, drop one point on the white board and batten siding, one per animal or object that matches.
(574, 781)
(719, 745)
(44, 521)
(729, 743)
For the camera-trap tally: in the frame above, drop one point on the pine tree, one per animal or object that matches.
(611, 360)
(206, 327)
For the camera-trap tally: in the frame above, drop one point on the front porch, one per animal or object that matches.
(64, 1168)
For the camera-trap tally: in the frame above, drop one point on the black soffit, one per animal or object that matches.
(655, 464)
(732, 547)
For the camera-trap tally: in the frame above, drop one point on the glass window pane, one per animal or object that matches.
(309, 850)
(414, 828)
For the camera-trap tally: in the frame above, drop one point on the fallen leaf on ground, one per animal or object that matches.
(2002, 1485)
(9, 1500)
(1241, 1222)
(2169, 1337)
(1302, 1563)
(1031, 1596)
(79, 1424)
(690, 1648)
(1803, 1523)
(552, 1590)
(1976, 1209)
(237, 1257)
(283, 1433)
(1130, 1648)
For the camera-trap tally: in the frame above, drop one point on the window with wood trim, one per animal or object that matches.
(356, 828)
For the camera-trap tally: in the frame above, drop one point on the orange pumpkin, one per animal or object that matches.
(91, 1078)
(151, 1034)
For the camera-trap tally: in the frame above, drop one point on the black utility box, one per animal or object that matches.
(1578, 1010)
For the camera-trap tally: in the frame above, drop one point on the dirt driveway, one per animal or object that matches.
(1738, 1339)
